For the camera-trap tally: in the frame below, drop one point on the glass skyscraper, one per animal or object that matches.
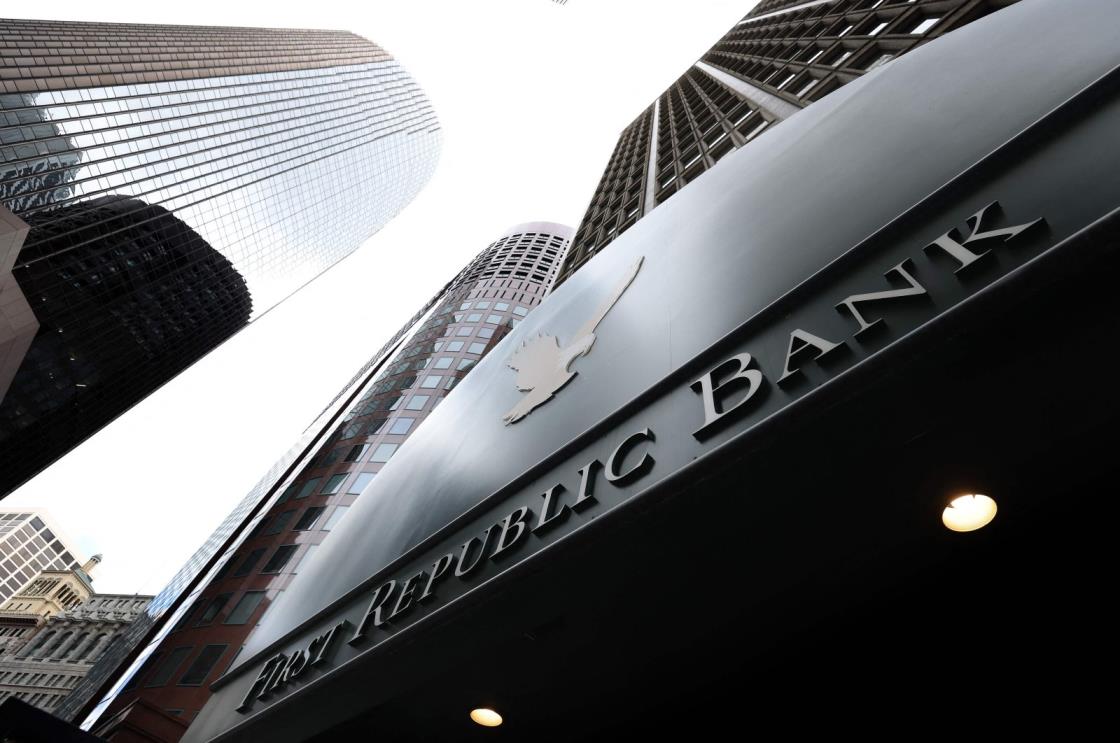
(211, 606)
(162, 186)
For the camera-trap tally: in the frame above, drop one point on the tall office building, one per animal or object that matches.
(278, 528)
(780, 58)
(162, 186)
(29, 544)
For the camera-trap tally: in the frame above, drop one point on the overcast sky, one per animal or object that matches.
(531, 96)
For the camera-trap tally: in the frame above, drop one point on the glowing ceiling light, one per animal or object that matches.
(969, 512)
(486, 717)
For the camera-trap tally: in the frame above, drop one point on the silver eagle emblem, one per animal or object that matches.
(542, 365)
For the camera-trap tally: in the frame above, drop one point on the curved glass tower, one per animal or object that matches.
(153, 202)
(211, 607)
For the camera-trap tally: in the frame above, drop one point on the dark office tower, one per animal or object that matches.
(197, 626)
(161, 186)
(779, 59)
(129, 297)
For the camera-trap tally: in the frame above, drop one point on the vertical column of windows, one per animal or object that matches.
(618, 201)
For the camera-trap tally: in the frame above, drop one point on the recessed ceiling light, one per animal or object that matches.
(486, 717)
(969, 512)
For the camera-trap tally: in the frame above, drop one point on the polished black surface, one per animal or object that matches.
(127, 296)
(827, 489)
(808, 586)
(806, 582)
(752, 230)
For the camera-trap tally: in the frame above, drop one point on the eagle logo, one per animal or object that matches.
(542, 363)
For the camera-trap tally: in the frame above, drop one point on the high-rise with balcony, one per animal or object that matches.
(161, 187)
(780, 58)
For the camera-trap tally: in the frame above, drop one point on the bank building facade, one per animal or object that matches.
(826, 430)
(819, 441)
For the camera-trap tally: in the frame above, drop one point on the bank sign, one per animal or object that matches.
(725, 394)
(861, 233)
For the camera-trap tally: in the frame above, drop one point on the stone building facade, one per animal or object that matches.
(52, 632)
(52, 592)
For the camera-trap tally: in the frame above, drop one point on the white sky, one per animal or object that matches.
(531, 96)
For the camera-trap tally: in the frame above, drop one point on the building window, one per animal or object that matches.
(279, 558)
(494, 319)
(360, 482)
(279, 523)
(356, 453)
(478, 348)
(401, 426)
(455, 346)
(383, 452)
(924, 26)
(520, 311)
(486, 332)
(332, 456)
(168, 667)
(501, 306)
(202, 665)
(474, 317)
(465, 364)
(249, 563)
(212, 610)
(417, 402)
(805, 87)
(465, 331)
(443, 362)
(308, 487)
(880, 60)
(309, 517)
(335, 517)
(334, 483)
(431, 381)
(245, 607)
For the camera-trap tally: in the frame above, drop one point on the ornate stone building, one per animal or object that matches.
(53, 630)
(51, 593)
